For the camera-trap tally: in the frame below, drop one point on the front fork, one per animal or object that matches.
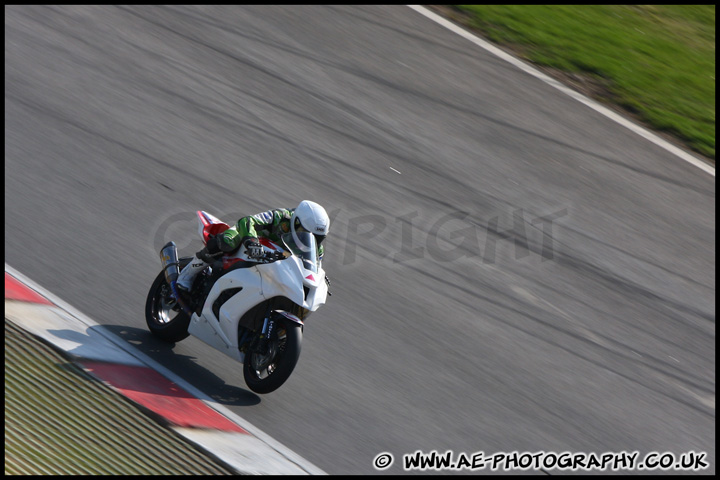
(261, 344)
(265, 334)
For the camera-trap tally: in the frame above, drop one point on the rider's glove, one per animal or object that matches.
(253, 248)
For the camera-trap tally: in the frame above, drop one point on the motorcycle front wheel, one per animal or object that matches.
(163, 315)
(265, 373)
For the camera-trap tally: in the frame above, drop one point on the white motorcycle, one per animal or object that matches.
(251, 309)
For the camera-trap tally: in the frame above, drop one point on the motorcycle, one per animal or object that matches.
(251, 309)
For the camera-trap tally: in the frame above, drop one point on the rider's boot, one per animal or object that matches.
(187, 275)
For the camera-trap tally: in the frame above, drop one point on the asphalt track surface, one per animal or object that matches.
(511, 271)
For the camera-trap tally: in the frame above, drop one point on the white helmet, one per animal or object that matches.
(310, 217)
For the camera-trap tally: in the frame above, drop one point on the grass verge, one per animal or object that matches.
(657, 62)
(60, 421)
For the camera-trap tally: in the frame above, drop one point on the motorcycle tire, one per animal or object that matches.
(266, 373)
(165, 319)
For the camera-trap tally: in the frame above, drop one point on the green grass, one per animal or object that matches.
(60, 421)
(656, 61)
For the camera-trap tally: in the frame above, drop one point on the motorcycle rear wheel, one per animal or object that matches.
(266, 373)
(164, 317)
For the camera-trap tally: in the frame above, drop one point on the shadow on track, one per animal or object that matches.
(202, 378)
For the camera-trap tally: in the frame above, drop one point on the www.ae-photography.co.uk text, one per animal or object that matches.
(546, 461)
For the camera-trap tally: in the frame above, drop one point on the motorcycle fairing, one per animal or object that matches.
(209, 225)
(289, 316)
(260, 282)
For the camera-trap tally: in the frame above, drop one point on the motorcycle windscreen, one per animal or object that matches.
(305, 249)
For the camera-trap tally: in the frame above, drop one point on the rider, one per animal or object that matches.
(307, 216)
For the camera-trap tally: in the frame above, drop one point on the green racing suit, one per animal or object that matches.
(270, 224)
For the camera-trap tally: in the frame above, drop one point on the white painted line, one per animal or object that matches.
(396, 171)
(577, 96)
(66, 333)
(240, 451)
(277, 459)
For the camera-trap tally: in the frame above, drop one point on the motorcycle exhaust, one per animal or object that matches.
(171, 267)
(170, 262)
